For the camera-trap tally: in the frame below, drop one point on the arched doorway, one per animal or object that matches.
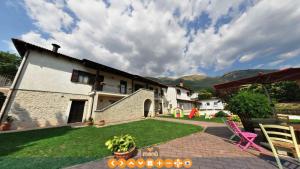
(147, 105)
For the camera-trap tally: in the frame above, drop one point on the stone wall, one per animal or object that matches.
(128, 108)
(32, 109)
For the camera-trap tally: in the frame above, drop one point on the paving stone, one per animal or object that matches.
(208, 150)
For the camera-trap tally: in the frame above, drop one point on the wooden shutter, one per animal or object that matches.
(75, 75)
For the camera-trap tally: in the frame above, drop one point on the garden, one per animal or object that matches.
(215, 119)
(66, 146)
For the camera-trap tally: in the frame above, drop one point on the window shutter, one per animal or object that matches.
(74, 77)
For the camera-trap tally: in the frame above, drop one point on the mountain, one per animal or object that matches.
(239, 74)
(198, 81)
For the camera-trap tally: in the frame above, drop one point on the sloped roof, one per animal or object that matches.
(23, 46)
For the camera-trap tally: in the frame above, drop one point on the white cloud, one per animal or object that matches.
(150, 41)
(275, 63)
(265, 30)
(48, 16)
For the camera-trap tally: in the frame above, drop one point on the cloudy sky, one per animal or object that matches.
(162, 37)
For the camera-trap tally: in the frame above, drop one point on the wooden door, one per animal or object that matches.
(76, 112)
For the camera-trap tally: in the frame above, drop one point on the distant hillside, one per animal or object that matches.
(197, 82)
(239, 74)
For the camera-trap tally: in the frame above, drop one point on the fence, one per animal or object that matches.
(6, 80)
(289, 111)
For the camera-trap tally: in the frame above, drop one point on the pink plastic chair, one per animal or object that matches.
(245, 137)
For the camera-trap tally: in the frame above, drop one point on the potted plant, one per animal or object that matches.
(7, 124)
(122, 146)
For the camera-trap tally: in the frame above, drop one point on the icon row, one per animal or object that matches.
(149, 163)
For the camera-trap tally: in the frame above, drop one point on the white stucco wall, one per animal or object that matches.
(112, 82)
(183, 95)
(219, 104)
(171, 97)
(44, 72)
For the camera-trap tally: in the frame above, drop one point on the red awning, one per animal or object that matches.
(289, 74)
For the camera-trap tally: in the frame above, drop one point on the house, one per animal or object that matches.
(179, 96)
(211, 106)
(52, 89)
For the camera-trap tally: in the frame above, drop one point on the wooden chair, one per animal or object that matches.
(281, 137)
(283, 118)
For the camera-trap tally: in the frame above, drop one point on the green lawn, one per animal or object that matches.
(65, 146)
(201, 118)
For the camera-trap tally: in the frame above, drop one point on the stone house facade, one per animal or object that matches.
(52, 89)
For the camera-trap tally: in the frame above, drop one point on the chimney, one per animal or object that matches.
(181, 83)
(55, 47)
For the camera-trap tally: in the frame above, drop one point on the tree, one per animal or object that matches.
(249, 105)
(205, 94)
(285, 91)
(280, 91)
(9, 63)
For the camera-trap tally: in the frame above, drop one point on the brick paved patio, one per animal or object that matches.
(209, 150)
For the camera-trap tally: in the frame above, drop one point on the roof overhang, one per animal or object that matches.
(290, 74)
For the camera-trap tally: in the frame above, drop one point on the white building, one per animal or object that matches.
(179, 97)
(211, 106)
(53, 89)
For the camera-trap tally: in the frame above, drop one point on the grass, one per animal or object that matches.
(294, 121)
(65, 146)
(201, 118)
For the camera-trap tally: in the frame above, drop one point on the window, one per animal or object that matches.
(156, 91)
(188, 93)
(83, 77)
(215, 103)
(207, 104)
(178, 91)
(123, 87)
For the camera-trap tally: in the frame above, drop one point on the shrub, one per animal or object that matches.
(254, 105)
(120, 143)
(221, 114)
(235, 118)
(249, 105)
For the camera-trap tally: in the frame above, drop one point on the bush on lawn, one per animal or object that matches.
(235, 118)
(249, 105)
(221, 114)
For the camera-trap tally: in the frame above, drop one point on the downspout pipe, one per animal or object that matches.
(13, 86)
(95, 85)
